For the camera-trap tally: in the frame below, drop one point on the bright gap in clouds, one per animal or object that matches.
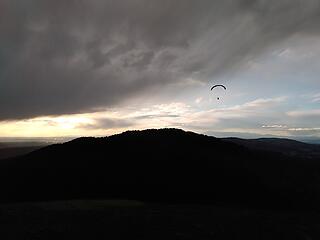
(245, 120)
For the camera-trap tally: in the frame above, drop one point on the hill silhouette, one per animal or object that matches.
(165, 165)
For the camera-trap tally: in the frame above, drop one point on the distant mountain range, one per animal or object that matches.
(284, 146)
(169, 165)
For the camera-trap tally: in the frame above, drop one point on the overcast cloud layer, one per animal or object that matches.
(61, 57)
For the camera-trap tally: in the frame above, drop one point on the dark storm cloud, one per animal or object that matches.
(60, 57)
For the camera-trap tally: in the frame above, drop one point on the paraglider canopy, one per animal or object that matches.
(219, 85)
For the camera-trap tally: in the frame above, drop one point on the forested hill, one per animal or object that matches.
(165, 165)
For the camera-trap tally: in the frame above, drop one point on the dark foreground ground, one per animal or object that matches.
(104, 219)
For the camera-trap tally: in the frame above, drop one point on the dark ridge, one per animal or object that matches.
(162, 165)
(284, 146)
(9, 152)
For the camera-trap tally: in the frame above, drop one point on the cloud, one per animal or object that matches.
(261, 103)
(199, 100)
(311, 97)
(181, 115)
(67, 57)
(305, 131)
(315, 98)
(260, 117)
(160, 115)
(246, 115)
(106, 123)
(274, 126)
(304, 113)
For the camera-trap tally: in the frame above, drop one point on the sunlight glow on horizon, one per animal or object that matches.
(171, 115)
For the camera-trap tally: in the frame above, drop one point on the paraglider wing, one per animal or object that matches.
(219, 85)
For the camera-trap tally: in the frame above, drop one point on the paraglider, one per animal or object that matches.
(219, 85)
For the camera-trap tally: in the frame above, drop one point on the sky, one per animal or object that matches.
(99, 67)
